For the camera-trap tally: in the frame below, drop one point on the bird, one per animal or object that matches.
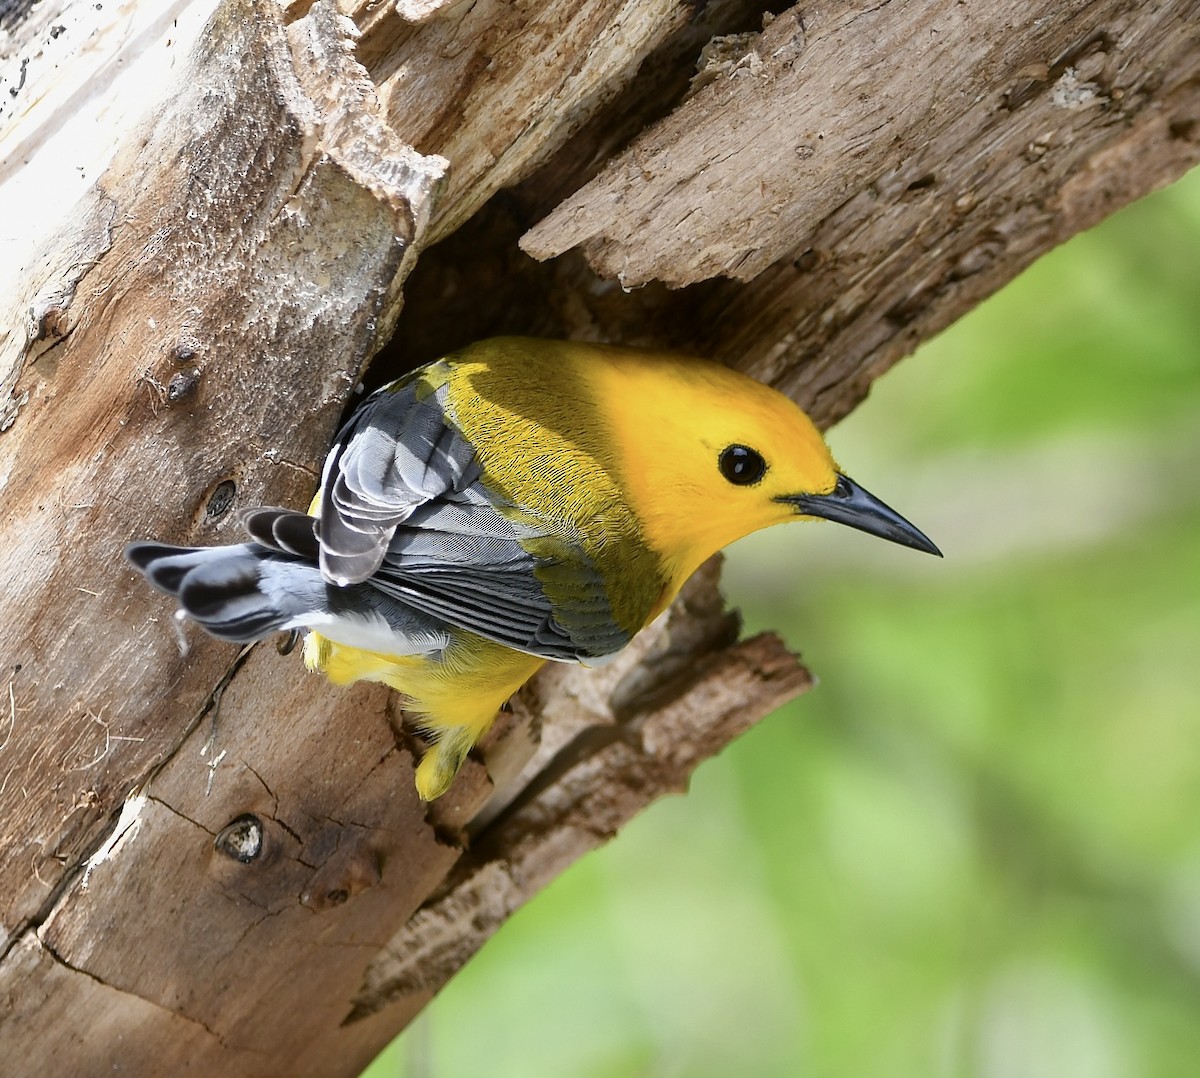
(515, 502)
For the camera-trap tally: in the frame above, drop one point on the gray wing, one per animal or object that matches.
(403, 510)
(463, 561)
(396, 453)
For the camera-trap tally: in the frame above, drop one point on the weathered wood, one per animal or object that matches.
(70, 76)
(497, 87)
(864, 174)
(258, 231)
(346, 857)
(190, 339)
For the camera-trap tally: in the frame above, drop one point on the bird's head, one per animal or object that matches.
(713, 455)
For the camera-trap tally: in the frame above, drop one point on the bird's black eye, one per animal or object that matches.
(741, 465)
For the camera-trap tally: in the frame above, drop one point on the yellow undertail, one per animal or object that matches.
(453, 697)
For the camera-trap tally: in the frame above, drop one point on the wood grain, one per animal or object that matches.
(190, 339)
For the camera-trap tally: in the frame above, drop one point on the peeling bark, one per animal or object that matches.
(215, 859)
(239, 243)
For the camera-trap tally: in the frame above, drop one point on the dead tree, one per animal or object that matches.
(219, 861)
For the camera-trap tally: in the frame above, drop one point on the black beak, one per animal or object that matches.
(849, 504)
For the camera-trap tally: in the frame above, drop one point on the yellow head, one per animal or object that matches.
(710, 455)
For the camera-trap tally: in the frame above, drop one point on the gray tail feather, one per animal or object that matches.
(238, 593)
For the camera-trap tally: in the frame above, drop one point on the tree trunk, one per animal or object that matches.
(218, 861)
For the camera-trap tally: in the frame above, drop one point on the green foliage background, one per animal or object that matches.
(975, 848)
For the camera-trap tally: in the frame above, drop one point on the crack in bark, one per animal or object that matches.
(48, 949)
(270, 793)
(305, 469)
(182, 815)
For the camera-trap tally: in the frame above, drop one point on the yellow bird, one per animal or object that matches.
(517, 501)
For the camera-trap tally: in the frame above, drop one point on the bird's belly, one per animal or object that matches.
(463, 684)
(453, 694)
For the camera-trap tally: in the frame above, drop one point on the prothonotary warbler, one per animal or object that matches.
(517, 501)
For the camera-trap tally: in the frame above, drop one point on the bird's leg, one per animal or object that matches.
(445, 756)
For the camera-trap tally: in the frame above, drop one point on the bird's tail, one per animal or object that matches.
(239, 593)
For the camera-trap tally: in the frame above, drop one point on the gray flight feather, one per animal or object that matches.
(284, 530)
(396, 453)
